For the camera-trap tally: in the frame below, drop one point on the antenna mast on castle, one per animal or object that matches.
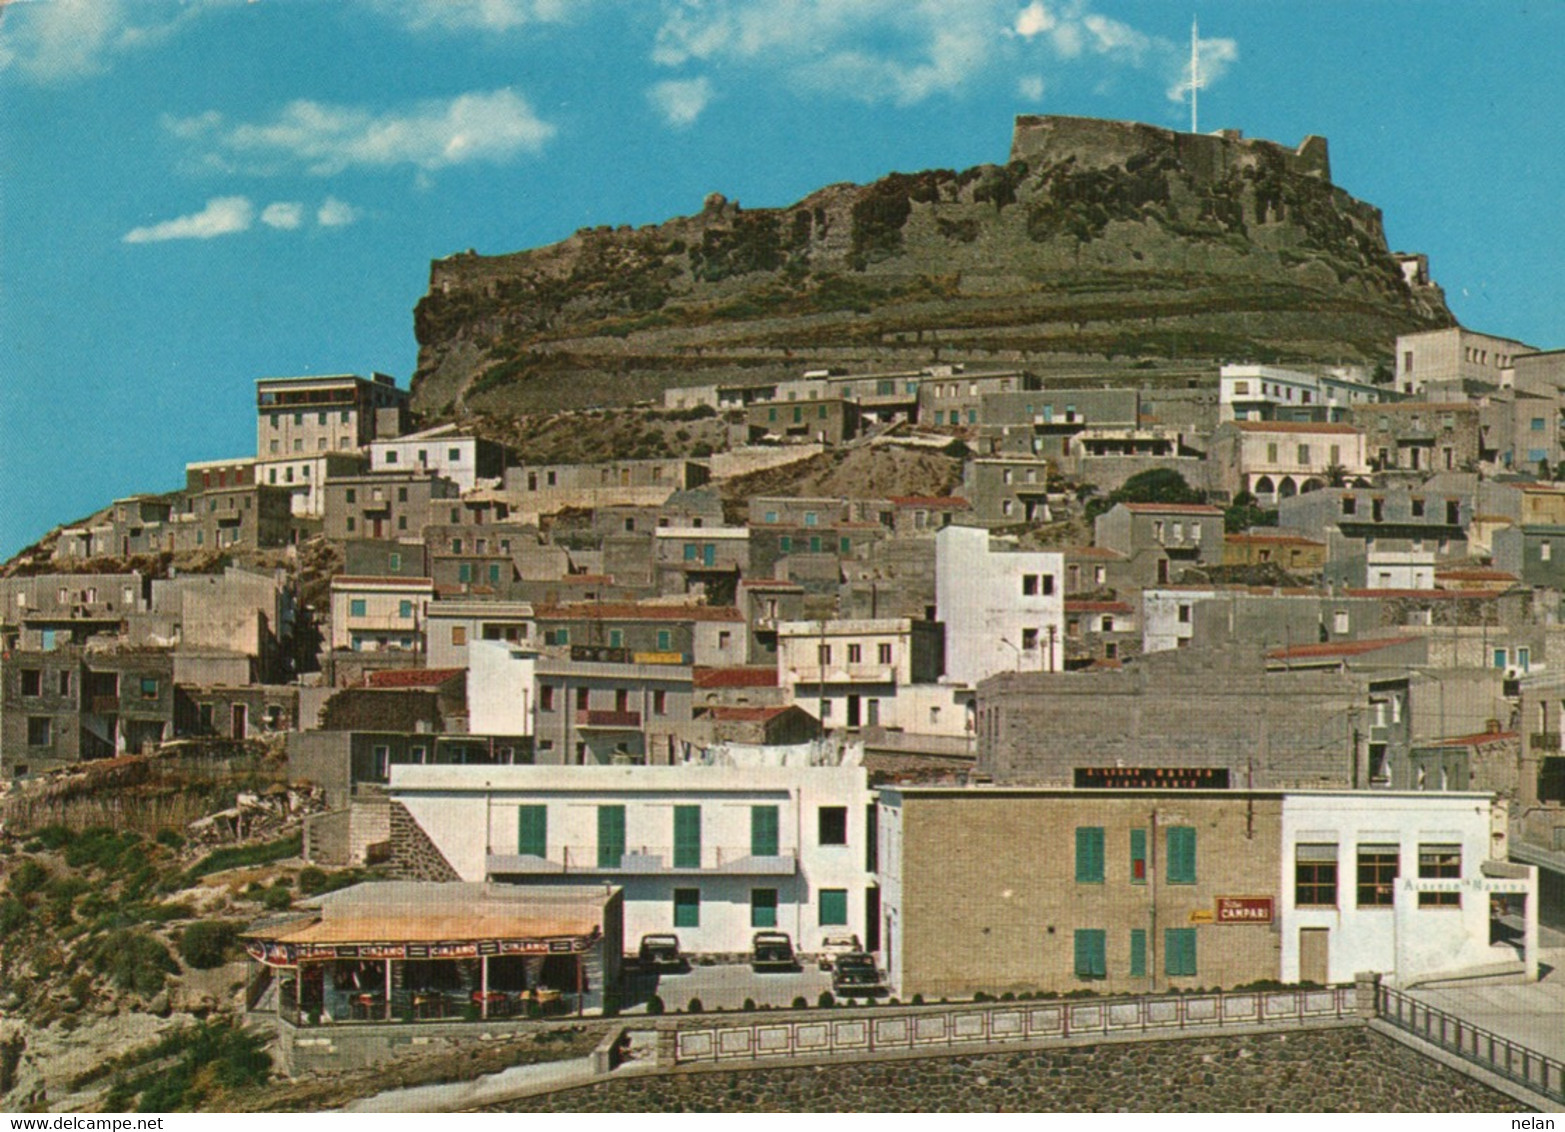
(1195, 71)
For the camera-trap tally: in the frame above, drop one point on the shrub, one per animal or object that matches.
(28, 877)
(918, 1000)
(205, 943)
(749, 1004)
(1008, 996)
(694, 1006)
(827, 1000)
(312, 880)
(276, 899)
(800, 1002)
(134, 960)
(171, 838)
(981, 996)
(13, 914)
(239, 856)
(655, 1005)
(610, 1004)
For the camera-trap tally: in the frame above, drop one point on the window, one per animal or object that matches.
(532, 831)
(1315, 876)
(855, 654)
(832, 825)
(394, 562)
(763, 907)
(665, 640)
(1138, 857)
(833, 907)
(454, 455)
(883, 653)
(464, 572)
(1091, 953)
(405, 610)
(1440, 862)
(402, 495)
(810, 518)
(1349, 505)
(611, 836)
(1537, 424)
(1181, 854)
(687, 837)
(1089, 854)
(352, 495)
(1029, 585)
(785, 544)
(32, 682)
(494, 573)
(1184, 615)
(691, 550)
(65, 683)
(1545, 550)
(38, 730)
(823, 654)
(1179, 951)
(1378, 867)
(687, 907)
(1138, 952)
(659, 702)
(763, 831)
(458, 636)
(1304, 455)
(546, 697)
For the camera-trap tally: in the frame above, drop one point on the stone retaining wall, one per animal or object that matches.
(1348, 1069)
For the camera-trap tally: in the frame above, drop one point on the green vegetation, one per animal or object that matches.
(1156, 485)
(240, 856)
(132, 959)
(206, 943)
(212, 1058)
(1244, 513)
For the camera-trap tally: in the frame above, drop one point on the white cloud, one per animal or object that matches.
(1034, 19)
(1216, 56)
(287, 215)
(54, 41)
(220, 217)
(1111, 37)
(680, 101)
(334, 213)
(476, 15)
(492, 126)
(1030, 87)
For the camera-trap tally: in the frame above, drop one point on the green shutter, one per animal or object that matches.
(1181, 854)
(1138, 857)
(763, 907)
(687, 907)
(815, 544)
(1138, 951)
(834, 907)
(663, 640)
(1091, 953)
(763, 831)
(616, 638)
(785, 544)
(532, 831)
(611, 836)
(687, 837)
(1089, 854)
(1179, 951)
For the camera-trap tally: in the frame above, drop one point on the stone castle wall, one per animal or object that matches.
(1095, 143)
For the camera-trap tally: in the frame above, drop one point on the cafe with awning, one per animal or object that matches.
(405, 951)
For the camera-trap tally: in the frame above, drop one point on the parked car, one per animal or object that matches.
(856, 974)
(771, 951)
(660, 953)
(834, 945)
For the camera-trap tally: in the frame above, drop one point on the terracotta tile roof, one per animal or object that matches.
(743, 676)
(1173, 508)
(1098, 607)
(1481, 737)
(1338, 648)
(372, 580)
(631, 611)
(411, 677)
(1475, 573)
(1294, 426)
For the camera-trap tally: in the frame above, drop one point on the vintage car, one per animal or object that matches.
(856, 974)
(771, 951)
(660, 953)
(835, 945)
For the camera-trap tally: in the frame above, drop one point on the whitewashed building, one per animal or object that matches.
(1401, 883)
(464, 460)
(500, 688)
(1003, 609)
(376, 614)
(851, 672)
(712, 853)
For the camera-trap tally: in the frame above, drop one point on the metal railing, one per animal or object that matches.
(890, 1029)
(1515, 1062)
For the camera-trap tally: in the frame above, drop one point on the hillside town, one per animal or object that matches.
(1244, 680)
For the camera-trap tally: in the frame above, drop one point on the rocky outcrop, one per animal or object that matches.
(1096, 239)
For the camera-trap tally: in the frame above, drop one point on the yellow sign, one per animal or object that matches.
(658, 657)
(1202, 916)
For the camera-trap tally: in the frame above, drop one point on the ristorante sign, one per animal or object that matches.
(1151, 778)
(275, 954)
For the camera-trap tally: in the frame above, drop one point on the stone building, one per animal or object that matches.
(1424, 436)
(1453, 355)
(391, 505)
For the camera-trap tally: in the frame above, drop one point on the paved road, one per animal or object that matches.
(1530, 1013)
(725, 986)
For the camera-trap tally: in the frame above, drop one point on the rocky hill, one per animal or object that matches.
(1101, 240)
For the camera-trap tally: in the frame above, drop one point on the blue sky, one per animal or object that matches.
(197, 194)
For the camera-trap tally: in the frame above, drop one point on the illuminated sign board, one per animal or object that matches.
(1151, 778)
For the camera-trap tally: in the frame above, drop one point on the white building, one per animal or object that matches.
(462, 459)
(1261, 393)
(850, 673)
(1168, 617)
(1454, 354)
(376, 614)
(1003, 609)
(712, 853)
(1275, 460)
(1400, 569)
(500, 688)
(1402, 883)
(453, 626)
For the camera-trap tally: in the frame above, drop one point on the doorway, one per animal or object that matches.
(1315, 956)
(239, 721)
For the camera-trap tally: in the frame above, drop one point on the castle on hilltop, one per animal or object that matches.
(1096, 143)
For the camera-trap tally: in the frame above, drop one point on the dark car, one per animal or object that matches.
(771, 951)
(856, 973)
(660, 953)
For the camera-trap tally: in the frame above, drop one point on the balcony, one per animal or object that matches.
(646, 860)
(610, 720)
(1545, 741)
